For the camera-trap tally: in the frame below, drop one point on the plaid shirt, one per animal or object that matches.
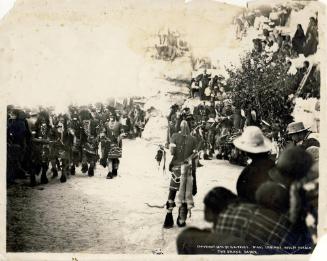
(258, 225)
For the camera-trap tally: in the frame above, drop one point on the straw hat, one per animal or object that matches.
(253, 141)
(296, 127)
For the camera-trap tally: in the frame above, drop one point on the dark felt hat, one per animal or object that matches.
(296, 127)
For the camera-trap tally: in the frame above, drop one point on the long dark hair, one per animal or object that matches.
(218, 198)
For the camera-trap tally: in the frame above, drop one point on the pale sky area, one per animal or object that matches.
(6, 5)
(76, 51)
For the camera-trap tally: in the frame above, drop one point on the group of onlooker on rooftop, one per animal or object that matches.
(272, 33)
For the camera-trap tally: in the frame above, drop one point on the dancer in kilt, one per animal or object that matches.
(40, 154)
(111, 145)
(89, 141)
(64, 146)
(183, 147)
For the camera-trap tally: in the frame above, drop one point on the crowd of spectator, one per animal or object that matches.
(277, 194)
(269, 213)
(170, 45)
(272, 36)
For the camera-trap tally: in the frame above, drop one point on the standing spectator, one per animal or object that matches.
(194, 88)
(316, 114)
(205, 83)
(274, 16)
(240, 27)
(311, 35)
(298, 40)
(283, 16)
(125, 123)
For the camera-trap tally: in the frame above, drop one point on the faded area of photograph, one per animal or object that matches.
(162, 127)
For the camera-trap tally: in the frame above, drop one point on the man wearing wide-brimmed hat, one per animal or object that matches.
(300, 135)
(257, 147)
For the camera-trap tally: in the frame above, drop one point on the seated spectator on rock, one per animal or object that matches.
(272, 36)
(207, 93)
(257, 147)
(300, 74)
(272, 47)
(311, 36)
(285, 51)
(214, 82)
(218, 108)
(257, 45)
(284, 15)
(204, 241)
(257, 20)
(265, 33)
(194, 88)
(268, 46)
(287, 43)
(263, 45)
(250, 18)
(280, 40)
(274, 16)
(291, 71)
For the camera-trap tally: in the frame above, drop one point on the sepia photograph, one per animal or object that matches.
(161, 127)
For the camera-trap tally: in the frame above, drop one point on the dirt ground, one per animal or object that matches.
(96, 215)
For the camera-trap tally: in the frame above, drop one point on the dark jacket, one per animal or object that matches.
(253, 176)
